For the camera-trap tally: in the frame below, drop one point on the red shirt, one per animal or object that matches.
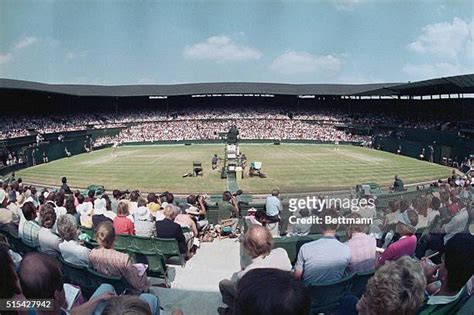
(123, 225)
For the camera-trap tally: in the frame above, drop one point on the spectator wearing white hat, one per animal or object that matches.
(101, 214)
(142, 219)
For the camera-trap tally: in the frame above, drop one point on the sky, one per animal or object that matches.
(168, 42)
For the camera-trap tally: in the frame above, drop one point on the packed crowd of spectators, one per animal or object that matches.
(210, 119)
(421, 250)
(249, 129)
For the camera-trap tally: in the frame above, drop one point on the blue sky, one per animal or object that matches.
(165, 42)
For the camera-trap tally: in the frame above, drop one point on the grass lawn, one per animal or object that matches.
(289, 167)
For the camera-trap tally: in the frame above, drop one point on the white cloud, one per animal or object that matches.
(4, 58)
(25, 42)
(293, 62)
(346, 5)
(428, 71)
(220, 49)
(444, 39)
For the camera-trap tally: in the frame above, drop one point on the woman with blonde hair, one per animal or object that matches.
(122, 222)
(107, 260)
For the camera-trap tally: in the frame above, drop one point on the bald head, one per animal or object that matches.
(258, 241)
(40, 276)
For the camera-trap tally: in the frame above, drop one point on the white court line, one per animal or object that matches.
(357, 156)
(300, 154)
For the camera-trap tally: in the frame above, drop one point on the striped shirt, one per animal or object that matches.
(114, 263)
(362, 248)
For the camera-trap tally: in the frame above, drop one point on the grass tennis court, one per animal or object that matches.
(289, 167)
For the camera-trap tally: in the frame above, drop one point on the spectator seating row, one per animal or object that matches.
(88, 278)
(147, 246)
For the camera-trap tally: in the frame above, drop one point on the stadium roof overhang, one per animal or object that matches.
(449, 85)
(460, 84)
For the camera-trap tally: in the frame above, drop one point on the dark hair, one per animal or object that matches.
(435, 203)
(260, 214)
(29, 211)
(70, 207)
(9, 286)
(134, 195)
(227, 196)
(64, 180)
(80, 199)
(41, 199)
(191, 199)
(458, 260)
(151, 197)
(169, 198)
(108, 203)
(116, 193)
(59, 199)
(271, 291)
(141, 202)
(329, 226)
(91, 193)
(48, 216)
(40, 276)
(404, 205)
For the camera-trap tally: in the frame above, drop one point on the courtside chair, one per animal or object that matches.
(359, 282)
(118, 282)
(122, 242)
(154, 259)
(79, 276)
(325, 298)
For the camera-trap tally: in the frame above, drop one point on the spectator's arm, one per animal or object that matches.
(388, 254)
(298, 273)
(202, 208)
(299, 266)
(194, 228)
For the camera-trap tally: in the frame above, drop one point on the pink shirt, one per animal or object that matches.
(406, 245)
(123, 225)
(363, 248)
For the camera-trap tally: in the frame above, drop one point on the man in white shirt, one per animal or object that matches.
(258, 243)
